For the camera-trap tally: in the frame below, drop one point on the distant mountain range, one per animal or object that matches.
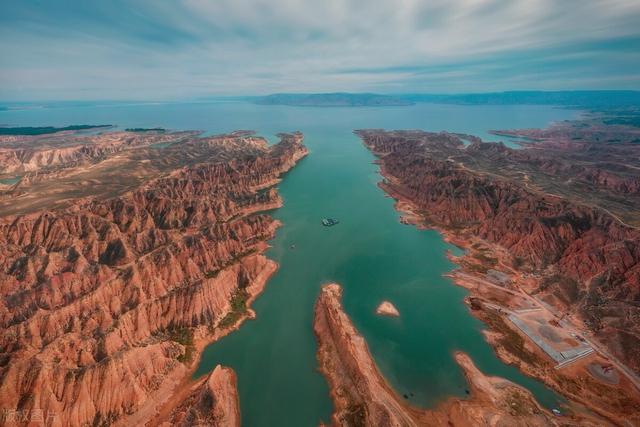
(333, 100)
(592, 98)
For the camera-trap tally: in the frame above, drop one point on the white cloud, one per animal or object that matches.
(197, 47)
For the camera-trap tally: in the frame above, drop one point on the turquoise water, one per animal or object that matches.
(370, 253)
(10, 181)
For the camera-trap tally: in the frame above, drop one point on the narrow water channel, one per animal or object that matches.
(370, 253)
(374, 257)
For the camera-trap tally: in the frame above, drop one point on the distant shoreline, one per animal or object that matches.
(594, 99)
(333, 100)
(44, 130)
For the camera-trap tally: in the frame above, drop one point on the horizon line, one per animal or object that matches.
(400, 94)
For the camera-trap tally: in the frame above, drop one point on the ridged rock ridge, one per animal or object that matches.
(104, 303)
(591, 261)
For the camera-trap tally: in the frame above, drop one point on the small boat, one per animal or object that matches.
(328, 222)
(556, 412)
(293, 246)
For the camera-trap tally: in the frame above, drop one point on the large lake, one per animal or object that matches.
(370, 253)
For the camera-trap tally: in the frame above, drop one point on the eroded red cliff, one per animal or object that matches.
(105, 303)
(213, 402)
(586, 259)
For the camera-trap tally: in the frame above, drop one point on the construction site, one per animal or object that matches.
(550, 335)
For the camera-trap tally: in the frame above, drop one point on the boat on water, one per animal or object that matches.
(328, 222)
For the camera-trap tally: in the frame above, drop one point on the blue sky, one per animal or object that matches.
(156, 49)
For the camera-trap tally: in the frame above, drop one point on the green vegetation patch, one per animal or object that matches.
(565, 288)
(145, 130)
(476, 268)
(484, 259)
(511, 341)
(238, 308)
(210, 274)
(517, 262)
(356, 415)
(104, 420)
(183, 335)
(519, 405)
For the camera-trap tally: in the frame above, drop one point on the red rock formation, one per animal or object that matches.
(214, 403)
(602, 156)
(29, 154)
(590, 258)
(102, 302)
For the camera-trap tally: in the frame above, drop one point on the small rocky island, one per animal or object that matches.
(387, 309)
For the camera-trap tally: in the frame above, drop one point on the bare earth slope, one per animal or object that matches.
(213, 402)
(107, 300)
(20, 154)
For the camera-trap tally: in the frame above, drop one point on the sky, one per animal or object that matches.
(185, 49)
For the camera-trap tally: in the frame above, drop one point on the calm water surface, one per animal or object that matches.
(370, 253)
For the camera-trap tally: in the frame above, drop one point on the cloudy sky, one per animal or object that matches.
(157, 49)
